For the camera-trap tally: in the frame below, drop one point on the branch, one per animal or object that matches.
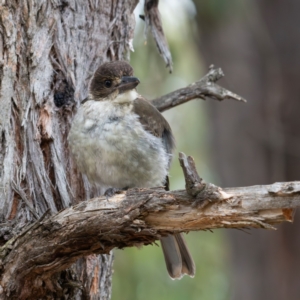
(205, 87)
(153, 22)
(138, 216)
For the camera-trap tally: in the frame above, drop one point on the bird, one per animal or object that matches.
(119, 140)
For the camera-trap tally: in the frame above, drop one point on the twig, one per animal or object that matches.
(22, 194)
(205, 87)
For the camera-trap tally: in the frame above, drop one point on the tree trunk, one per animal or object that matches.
(257, 44)
(48, 52)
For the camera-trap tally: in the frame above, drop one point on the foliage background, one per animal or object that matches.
(257, 44)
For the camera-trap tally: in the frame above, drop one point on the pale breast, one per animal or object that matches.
(112, 148)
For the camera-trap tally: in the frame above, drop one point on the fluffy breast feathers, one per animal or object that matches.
(112, 146)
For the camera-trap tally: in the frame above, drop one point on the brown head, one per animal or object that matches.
(111, 79)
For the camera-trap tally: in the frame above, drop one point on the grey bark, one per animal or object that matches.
(48, 52)
(139, 216)
(204, 88)
(153, 22)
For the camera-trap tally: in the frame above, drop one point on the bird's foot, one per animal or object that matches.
(111, 192)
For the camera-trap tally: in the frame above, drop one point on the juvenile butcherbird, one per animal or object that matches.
(119, 140)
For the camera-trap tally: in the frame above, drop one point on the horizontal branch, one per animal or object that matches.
(203, 88)
(139, 216)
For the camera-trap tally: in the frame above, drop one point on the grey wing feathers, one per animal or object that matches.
(154, 122)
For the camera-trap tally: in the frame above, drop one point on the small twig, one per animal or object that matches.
(205, 87)
(22, 194)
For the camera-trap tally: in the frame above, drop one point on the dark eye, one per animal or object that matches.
(107, 83)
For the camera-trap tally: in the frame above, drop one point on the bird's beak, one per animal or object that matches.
(128, 83)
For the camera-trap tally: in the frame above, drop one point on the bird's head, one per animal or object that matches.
(111, 80)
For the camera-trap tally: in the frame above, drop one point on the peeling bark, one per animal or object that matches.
(48, 52)
(139, 216)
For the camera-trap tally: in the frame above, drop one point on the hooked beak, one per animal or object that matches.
(128, 83)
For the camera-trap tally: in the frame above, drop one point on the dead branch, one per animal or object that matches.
(139, 216)
(203, 88)
(153, 23)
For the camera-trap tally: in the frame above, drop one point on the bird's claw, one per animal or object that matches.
(111, 192)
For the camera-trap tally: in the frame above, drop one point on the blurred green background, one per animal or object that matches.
(141, 273)
(257, 44)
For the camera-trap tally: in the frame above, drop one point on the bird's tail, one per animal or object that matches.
(177, 255)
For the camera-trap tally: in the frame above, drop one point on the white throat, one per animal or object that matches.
(127, 96)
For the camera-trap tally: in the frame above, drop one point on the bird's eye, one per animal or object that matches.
(107, 83)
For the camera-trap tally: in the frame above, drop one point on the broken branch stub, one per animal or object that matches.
(206, 193)
(193, 183)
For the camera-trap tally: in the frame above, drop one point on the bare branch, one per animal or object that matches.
(138, 216)
(153, 22)
(205, 87)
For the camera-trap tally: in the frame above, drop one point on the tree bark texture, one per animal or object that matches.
(135, 217)
(48, 51)
(257, 45)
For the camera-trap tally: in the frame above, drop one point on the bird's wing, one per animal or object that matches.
(154, 122)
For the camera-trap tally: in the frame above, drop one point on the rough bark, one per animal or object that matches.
(138, 216)
(48, 52)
